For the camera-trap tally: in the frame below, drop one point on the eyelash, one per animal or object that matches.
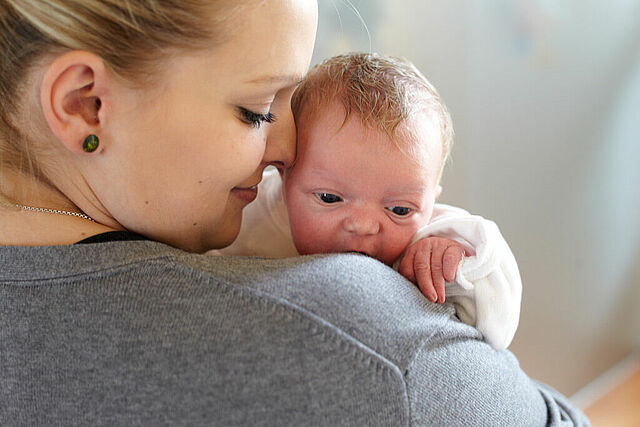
(255, 119)
(321, 197)
(409, 210)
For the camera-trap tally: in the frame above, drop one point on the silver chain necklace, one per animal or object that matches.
(53, 211)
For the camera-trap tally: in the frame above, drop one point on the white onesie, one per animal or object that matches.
(487, 289)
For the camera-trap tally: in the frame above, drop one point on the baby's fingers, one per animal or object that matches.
(422, 270)
(450, 261)
(406, 265)
(437, 275)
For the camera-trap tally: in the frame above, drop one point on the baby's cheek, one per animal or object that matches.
(313, 236)
(312, 240)
(304, 233)
(390, 255)
(394, 247)
(302, 240)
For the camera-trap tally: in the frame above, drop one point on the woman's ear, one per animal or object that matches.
(72, 97)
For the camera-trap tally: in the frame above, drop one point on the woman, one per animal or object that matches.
(132, 135)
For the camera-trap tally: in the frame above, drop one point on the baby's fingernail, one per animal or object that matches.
(432, 297)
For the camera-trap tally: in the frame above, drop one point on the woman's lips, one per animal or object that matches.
(247, 194)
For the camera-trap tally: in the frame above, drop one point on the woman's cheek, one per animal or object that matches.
(252, 152)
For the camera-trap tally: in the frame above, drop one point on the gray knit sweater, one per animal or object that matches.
(139, 333)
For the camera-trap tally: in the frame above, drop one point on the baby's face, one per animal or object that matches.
(352, 190)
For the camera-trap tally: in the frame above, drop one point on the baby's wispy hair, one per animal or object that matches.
(382, 91)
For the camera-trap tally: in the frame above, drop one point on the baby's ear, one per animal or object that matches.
(438, 191)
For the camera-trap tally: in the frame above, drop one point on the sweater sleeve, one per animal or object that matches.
(487, 290)
(489, 387)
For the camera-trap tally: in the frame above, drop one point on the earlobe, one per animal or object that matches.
(438, 191)
(72, 95)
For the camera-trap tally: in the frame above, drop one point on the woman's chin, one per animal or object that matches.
(226, 235)
(201, 241)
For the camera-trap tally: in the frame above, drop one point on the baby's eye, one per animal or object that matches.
(400, 210)
(328, 198)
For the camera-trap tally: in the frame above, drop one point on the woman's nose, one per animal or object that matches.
(280, 150)
(362, 224)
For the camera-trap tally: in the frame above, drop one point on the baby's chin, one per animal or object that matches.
(304, 249)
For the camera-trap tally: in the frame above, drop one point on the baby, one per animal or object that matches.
(373, 138)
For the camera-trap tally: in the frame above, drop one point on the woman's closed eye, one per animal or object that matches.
(328, 198)
(255, 119)
(400, 210)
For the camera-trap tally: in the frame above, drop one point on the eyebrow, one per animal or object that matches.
(276, 79)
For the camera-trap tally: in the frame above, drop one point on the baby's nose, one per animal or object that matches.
(361, 225)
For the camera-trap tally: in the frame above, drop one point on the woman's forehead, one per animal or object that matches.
(271, 41)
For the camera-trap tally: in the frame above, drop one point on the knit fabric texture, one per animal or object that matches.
(139, 333)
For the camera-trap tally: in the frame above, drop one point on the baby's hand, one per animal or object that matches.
(430, 262)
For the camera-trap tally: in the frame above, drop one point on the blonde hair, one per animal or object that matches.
(383, 92)
(131, 36)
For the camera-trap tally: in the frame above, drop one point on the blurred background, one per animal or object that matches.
(545, 100)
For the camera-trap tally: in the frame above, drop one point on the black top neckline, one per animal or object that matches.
(112, 236)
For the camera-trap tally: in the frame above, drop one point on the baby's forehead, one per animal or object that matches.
(421, 139)
(418, 137)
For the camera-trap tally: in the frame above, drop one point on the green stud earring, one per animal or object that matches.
(90, 143)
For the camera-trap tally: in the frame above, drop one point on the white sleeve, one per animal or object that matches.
(265, 226)
(487, 290)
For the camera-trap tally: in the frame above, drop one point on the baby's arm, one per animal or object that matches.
(487, 288)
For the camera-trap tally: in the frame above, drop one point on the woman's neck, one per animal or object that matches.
(19, 188)
(35, 228)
